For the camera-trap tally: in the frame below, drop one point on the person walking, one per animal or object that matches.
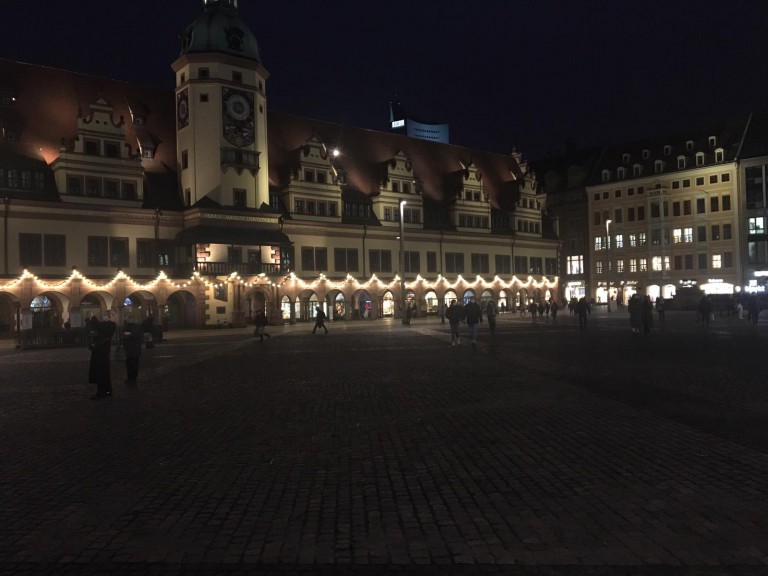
(99, 370)
(582, 309)
(660, 308)
(454, 319)
(490, 313)
(441, 311)
(132, 341)
(473, 315)
(261, 321)
(635, 313)
(319, 320)
(554, 307)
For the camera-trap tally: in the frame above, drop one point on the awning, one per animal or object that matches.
(232, 235)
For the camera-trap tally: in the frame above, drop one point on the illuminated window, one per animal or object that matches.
(717, 261)
(598, 243)
(688, 235)
(677, 235)
(619, 266)
(667, 265)
(656, 263)
(643, 265)
(757, 225)
(633, 265)
(641, 240)
(599, 267)
(633, 240)
(575, 264)
(619, 241)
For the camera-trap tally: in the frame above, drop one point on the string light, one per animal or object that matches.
(290, 282)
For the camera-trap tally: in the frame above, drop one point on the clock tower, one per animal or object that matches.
(221, 111)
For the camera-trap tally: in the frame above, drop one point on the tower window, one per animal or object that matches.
(204, 73)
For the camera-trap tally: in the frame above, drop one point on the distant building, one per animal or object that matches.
(665, 214)
(401, 123)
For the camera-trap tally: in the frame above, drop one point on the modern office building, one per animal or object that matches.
(200, 205)
(401, 123)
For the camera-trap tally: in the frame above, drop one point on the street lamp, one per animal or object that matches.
(402, 261)
(608, 260)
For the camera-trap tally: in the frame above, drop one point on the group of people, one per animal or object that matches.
(102, 334)
(472, 314)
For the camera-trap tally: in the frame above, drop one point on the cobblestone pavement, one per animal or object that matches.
(380, 449)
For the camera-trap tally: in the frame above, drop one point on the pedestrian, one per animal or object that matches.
(147, 327)
(705, 310)
(582, 309)
(132, 341)
(319, 320)
(441, 312)
(454, 319)
(553, 306)
(99, 370)
(635, 313)
(660, 307)
(490, 313)
(261, 321)
(646, 315)
(473, 315)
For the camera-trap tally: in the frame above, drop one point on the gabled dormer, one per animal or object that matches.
(399, 182)
(314, 192)
(98, 165)
(472, 210)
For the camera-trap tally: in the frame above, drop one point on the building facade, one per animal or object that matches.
(665, 215)
(200, 206)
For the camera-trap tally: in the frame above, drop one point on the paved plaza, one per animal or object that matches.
(381, 449)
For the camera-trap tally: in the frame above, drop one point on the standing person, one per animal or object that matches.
(705, 309)
(454, 318)
(490, 313)
(441, 311)
(582, 309)
(554, 307)
(660, 307)
(261, 321)
(319, 320)
(646, 315)
(99, 371)
(635, 313)
(132, 341)
(473, 315)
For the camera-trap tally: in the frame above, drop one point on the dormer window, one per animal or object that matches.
(700, 159)
(620, 173)
(713, 141)
(667, 150)
(689, 145)
(606, 175)
(681, 162)
(719, 155)
(646, 154)
(148, 152)
(625, 158)
(637, 170)
(658, 166)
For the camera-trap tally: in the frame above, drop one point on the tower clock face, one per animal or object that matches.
(238, 121)
(182, 109)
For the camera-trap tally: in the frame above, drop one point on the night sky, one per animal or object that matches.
(503, 73)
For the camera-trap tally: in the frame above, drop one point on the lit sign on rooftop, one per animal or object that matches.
(398, 123)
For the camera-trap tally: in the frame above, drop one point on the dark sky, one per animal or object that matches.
(502, 73)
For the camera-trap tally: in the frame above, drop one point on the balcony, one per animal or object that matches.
(227, 268)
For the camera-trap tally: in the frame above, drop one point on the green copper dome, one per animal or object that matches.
(220, 29)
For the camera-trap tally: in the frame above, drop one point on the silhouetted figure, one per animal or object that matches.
(319, 320)
(99, 371)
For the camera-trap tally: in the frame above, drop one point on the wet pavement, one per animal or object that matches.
(381, 449)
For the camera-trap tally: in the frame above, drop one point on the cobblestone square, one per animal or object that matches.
(381, 449)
